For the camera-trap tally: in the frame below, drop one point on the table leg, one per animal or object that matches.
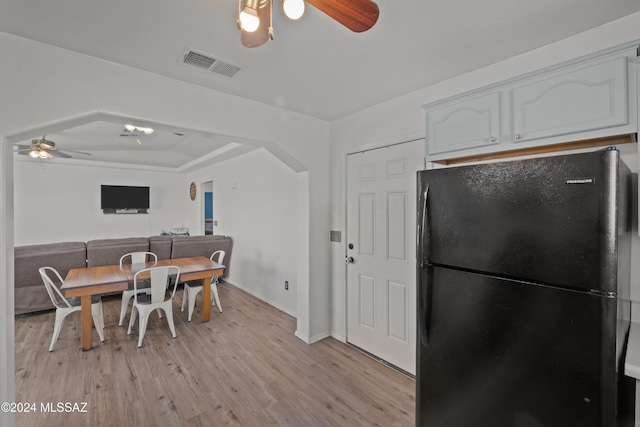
(206, 299)
(87, 321)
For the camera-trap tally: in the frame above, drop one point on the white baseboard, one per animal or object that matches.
(315, 338)
(304, 338)
(318, 337)
(339, 337)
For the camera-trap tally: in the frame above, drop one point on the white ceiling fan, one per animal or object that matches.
(45, 149)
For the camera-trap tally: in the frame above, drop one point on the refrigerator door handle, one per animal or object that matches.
(423, 261)
(424, 293)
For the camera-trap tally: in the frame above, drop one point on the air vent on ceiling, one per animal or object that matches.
(208, 62)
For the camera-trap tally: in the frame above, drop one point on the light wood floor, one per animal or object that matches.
(243, 368)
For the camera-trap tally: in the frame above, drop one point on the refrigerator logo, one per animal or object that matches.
(580, 181)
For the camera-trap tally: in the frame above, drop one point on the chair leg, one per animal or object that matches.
(142, 327)
(96, 323)
(185, 294)
(101, 316)
(159, 311)
(96, 312)
(169, 312)
(57, 327)
(193, 294)
(132, 318)
(126, 298)
(214, 295)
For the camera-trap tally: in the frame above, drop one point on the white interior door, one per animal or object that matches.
(381, 224)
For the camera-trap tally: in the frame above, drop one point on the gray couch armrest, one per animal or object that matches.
(30, 293)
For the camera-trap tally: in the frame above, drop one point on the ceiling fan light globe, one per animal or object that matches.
(34, 154)
(43, 154)
(293, 9)
(249, 19)
(147, 131)
(129, 128)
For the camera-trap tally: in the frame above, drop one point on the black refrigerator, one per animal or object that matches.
(523, 278)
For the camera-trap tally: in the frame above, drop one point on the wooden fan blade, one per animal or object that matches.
(75, 152)
(356, 15)
(56, 153)
(261, 35)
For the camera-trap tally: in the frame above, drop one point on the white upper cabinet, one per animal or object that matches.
(572, 101)
(587, 99)
(469, 123)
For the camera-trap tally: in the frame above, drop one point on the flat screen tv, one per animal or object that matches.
(124, 197)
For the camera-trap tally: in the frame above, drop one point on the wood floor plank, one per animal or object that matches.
(243, 368)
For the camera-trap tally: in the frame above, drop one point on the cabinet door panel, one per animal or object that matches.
(571, 102)
(464, 124)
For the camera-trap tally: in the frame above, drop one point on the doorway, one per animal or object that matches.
(207, 202)
(381, 224)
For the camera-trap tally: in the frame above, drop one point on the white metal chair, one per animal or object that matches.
(66, 306)
(159, 299)
(127, 295)
(191, 290)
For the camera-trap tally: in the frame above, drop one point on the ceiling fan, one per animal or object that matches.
(254, 16)
(45, 149)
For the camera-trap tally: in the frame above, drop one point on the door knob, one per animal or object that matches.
(349, 260)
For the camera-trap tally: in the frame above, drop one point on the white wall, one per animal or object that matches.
(256, 204)
(60, 202)
(403, 119)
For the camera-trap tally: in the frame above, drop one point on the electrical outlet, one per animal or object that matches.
(286, 285)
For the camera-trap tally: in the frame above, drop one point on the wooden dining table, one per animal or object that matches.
(86, 282)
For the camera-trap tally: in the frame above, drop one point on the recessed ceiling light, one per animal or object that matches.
(133, 128)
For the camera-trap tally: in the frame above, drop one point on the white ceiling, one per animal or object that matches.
(108, 141)
(314, 66)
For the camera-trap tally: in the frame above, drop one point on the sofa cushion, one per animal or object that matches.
(30, 293)
(188, 246)
(161, 246)
(109, 251)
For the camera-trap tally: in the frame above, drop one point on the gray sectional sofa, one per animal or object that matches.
(31, 295)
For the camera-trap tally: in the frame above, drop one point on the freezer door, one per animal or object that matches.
(494, 352)
(548, 220)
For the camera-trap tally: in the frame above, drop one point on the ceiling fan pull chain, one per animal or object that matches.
(271, 20)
